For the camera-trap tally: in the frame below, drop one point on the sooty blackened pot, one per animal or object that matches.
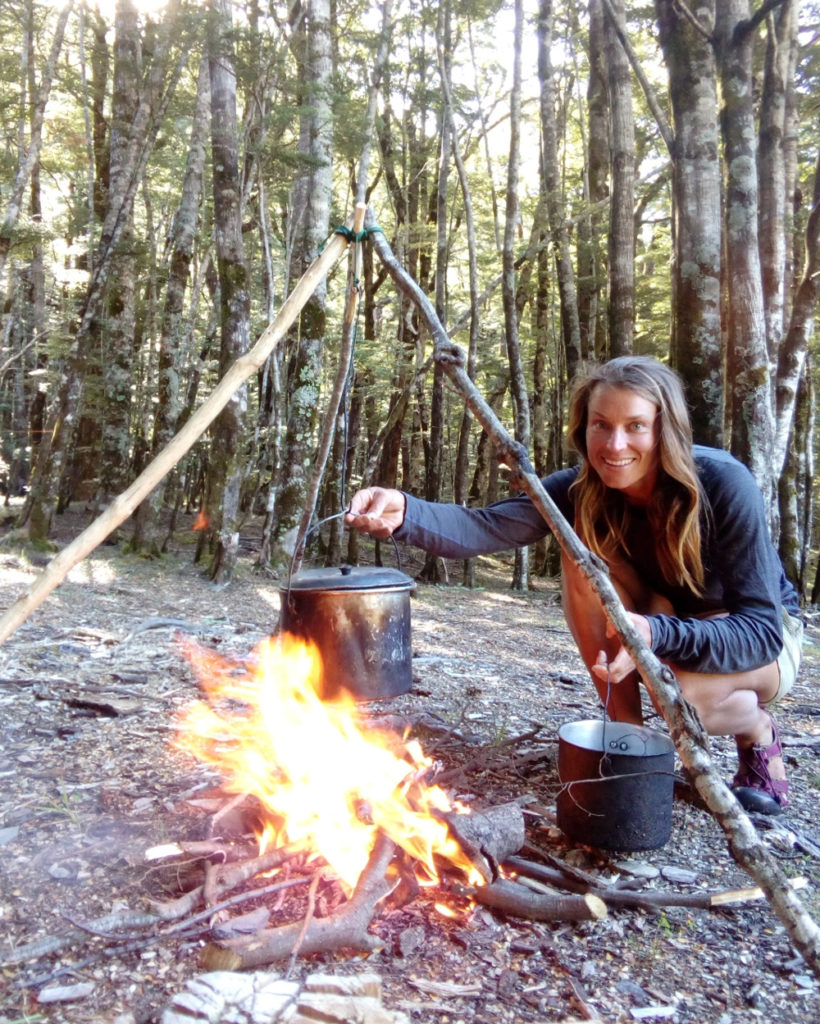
(617, 785)
(359, 618)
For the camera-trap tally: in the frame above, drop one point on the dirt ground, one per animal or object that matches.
(90, 688)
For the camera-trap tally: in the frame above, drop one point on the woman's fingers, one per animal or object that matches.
(378, 511)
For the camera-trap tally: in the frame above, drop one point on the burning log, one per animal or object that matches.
(346, 929)
(684, 726)
(490, 836)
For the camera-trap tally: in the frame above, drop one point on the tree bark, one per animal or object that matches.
(512, 214)
(311, 216)
(570, 324)
(591, 249)
(120, 315)
(747, 360)
(148, 529)
(226, 471)
(621, 234)
(696, 271)
(32, 153)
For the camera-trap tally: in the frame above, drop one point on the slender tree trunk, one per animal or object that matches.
(512, 213)
(311, 211)
(793, 350)
(747, 376)
(570, 324)
(148, 529)
(120, 314)
(435, 458)
(621, 234)
(591, 250)
(696, 270)
(226, 470)
(32, 153)
(774, 189)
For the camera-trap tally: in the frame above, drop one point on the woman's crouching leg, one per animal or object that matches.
(587, 623)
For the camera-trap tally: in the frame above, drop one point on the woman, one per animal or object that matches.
(684, 534)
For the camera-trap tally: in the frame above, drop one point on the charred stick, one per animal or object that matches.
(311, 907)
(518, 901)
(345, 929)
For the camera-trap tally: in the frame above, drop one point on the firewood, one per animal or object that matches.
(347, 928)
(490, 836)
(518, 901)
(643, 899)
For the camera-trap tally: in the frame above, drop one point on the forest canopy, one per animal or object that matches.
(565, 181)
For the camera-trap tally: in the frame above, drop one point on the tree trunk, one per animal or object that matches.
(696, 329)
(591, 251)
(794, 348)
(518, 384)
(226, 470)
(311, 212)
(120, 316)
(148, 529)
(32, 154)
(570, 325)
(621, 234)
(747, 362)
(774, 189)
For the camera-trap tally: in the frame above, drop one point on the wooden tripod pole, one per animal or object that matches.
(124, 504)
(684, 725)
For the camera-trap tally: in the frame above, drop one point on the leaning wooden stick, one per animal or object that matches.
(685, 728)
(123, 505)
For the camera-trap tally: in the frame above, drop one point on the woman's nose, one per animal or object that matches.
(617, 439)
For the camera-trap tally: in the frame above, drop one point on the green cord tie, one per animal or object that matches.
(351, 235)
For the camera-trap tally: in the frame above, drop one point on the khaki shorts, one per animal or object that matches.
(789, 658)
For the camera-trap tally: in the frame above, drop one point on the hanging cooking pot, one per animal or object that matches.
(359, 619)
(617, 785)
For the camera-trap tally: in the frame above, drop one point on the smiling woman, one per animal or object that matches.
(622, 441)
(683, 532)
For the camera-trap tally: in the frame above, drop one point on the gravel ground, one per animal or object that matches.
(89, 690)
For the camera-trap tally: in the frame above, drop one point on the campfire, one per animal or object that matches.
(327, 783)
(323, 826)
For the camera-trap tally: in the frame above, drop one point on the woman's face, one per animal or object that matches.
(622, 436)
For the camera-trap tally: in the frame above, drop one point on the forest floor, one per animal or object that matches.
(90, 780)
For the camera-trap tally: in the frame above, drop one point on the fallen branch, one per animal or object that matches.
(519, 901)
(124, 504)
(641, 899)
(685, 728)
(345, 929)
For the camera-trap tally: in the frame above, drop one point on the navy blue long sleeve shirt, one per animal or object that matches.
(744, 576)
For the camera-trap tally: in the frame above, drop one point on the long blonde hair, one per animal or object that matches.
(602, 514)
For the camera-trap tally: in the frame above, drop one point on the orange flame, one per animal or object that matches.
(201, 522)
(324, 780)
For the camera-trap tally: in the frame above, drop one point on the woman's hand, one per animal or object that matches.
(621, 664)
(378, 511)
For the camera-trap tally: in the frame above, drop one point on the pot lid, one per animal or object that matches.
(349, 577)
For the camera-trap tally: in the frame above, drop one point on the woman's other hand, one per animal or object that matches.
(378, 511)
(621, 664)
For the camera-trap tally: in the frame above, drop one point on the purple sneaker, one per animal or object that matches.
(753, 785)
